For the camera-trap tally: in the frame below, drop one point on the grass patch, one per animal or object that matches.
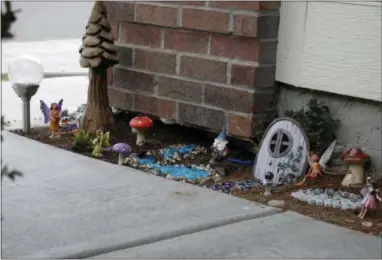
(4, 77)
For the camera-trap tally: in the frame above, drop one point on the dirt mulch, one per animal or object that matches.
(175, 134)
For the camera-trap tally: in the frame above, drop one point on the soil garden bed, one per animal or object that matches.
(239, 174)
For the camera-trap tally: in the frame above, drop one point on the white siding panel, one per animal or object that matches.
(290, 39)
(340, 50)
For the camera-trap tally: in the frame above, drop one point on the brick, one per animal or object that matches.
(194, 3)
(236, 5)
(267, 52)
(269, 5)
(133, 80)
(158, 15)
(122, 11)
(263, 100)
(203, 69)
(239, 125)
(179, 89)
(245, 25)
(228, 98)
(188, 41)
(110, 76)
(140, 34)
(120, 99)
(243, 75)
(205, 20)
(234, 47)
(265, 77)
(125, 56)
(160, 62)
(201, 116)
(268, 26)
(155, 106)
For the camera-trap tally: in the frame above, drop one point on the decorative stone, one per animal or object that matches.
(319, 202)
(367, 224)
(328, 202)
(312, 201)
(276, 203)
(329, 198)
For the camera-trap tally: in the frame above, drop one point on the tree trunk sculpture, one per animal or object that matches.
(98, 53)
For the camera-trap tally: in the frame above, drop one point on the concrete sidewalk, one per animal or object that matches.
(72, 206)
(279, 236)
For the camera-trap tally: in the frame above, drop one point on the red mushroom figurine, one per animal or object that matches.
(139, 125)
(355, 158)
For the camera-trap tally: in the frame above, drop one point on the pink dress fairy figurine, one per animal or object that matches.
(370, 200)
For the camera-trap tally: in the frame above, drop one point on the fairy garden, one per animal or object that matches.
(291, 167)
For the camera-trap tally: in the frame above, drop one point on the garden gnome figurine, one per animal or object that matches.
(219, 147)
(268, 183)
(219, 153)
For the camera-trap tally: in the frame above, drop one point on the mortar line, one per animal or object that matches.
(161, 237)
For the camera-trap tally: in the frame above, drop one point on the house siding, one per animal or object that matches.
(332, 51)
(331, 46)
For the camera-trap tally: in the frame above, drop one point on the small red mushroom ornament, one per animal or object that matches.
(139, 125)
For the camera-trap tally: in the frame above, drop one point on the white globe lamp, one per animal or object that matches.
(25, 74)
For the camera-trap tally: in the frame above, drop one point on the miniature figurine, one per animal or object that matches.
(369, 202)
(268, 183)
(314, 171)
(355, 158)
(317, 164)
(53, 116)
(219, 153)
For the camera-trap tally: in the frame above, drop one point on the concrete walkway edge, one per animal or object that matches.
(86, 250)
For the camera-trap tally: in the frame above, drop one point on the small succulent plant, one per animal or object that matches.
(81, 140)
(101, 141)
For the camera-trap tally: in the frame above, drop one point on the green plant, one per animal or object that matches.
(318, 122)
(102, 140)
(5, 172)
(81, 141)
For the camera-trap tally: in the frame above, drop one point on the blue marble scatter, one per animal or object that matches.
(176, 171)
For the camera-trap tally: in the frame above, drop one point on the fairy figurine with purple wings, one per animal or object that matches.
(52, 115)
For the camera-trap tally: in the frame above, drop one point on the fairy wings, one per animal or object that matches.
(325, 156)
(45, 109)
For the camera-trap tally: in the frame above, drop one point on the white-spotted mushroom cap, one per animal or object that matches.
(98, 46)
(121, 148)
(354, 156)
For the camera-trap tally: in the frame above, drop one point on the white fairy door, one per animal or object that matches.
(283, 151)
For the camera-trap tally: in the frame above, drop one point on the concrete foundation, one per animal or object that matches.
(360, 120)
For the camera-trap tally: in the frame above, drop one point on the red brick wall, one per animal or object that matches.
(199, 63)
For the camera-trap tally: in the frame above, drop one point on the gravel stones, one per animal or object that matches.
(230, 186)
(329, 198)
